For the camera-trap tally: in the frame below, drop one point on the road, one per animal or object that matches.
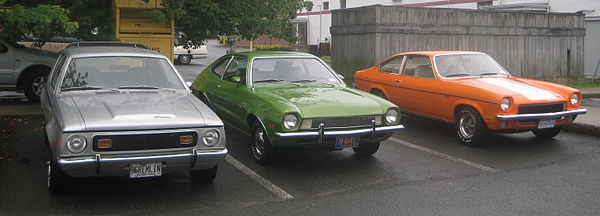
(422, 170)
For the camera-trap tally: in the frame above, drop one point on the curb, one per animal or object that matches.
(587, 129)
(591, 95)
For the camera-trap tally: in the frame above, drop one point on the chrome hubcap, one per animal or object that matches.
(259, 146)
(466, 125)
(38, 83)
(185, 59)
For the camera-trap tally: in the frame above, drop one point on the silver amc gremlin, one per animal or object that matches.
(118, 109)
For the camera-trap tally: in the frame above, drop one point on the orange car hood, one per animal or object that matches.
(514, 87)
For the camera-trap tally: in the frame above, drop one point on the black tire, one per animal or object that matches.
(470, 127)
(57, 180)
(33, 85)
(260, 147)
(205, 175)
(184, 59)
(547, 133)
(366, 149)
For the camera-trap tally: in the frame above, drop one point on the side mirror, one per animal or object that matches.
(340, 76)
(188, 84)
(236, 79)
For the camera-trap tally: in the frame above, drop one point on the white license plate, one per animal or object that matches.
(145, 170)
(546, 124)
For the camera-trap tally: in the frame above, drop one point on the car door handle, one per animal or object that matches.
(397, 80)
(218, 85)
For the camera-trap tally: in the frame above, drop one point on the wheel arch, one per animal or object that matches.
(31, 69)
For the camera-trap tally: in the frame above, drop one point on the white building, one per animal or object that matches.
(313, 26)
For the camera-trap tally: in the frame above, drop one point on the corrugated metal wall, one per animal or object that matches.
(545, 46)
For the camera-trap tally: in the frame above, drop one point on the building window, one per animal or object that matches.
(484, 5)
(342, 3)
(325, 5)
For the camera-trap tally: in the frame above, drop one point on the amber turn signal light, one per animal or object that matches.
(104, 143)
(185, 140)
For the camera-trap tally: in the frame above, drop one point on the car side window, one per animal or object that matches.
(418, 66)
(237, 68)
(56, 70)
(3, 48)
(220, 67)
(392, 66)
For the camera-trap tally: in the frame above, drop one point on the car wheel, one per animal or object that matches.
(470, 127)
(57, 179)
(366, 149)
(33, 85)
(547, 133)
(184, 59)
(205, 175)
(261, 147)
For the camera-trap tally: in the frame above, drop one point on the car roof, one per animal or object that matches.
(255, 54)
(435, 52)
(99, 49)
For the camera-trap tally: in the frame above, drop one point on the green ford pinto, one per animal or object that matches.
(294, 100)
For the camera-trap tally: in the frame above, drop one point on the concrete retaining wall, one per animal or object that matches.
(545, 46)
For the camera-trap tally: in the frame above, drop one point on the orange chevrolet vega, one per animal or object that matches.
(473, 91)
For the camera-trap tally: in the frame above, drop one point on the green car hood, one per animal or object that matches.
(314, 101)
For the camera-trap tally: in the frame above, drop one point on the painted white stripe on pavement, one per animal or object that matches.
(439, 154)
(256, 177)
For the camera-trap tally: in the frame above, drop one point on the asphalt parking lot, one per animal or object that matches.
(420, 171)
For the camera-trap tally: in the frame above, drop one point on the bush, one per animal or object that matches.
(273, 48)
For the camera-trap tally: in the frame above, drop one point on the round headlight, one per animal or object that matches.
(290, 121)
(76, 144)
(505, 104)
(210, 137)
(391, 116)
(574, 98)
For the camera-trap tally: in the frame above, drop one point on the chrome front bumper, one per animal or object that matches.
(118, 165)
(321, 133)
(534, 116)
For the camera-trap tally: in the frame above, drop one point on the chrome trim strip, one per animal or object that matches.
(541, 115)
(92, 159)
(339, 133)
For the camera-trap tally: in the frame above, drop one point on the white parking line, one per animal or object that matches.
(256, 177)
(439, 154)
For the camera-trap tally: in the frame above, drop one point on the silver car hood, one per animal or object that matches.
(137, 110)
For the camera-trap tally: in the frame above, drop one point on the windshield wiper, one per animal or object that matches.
(268, 80)
(138, 87)
(304, 81)
(458, 74)
(488, 74)
(78, 88)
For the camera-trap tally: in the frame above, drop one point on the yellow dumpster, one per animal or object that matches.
(132, 26)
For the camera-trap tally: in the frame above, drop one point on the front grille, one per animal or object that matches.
(343, 122)
(541, 108)
(144, 141)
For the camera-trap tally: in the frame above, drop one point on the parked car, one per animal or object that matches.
(112, 109)
(294, 100)
(24, 69)
(473, 91)
(184, 55)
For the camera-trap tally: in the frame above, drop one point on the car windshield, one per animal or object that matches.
(90, 73)
(462, 65)
(269, 71)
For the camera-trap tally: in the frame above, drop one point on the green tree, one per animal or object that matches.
(197, 19)
(41, 22)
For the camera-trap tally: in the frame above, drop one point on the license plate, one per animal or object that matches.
(346, 141)
(546, 124)
(145, 170)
